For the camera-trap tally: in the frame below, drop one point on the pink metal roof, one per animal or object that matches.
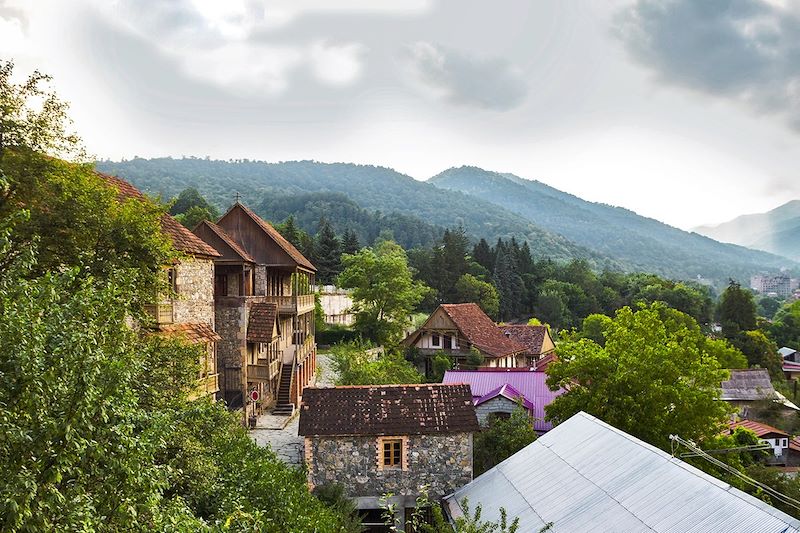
(530, 384)
(506, 391)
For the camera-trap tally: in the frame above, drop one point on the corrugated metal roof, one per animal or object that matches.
(585, 475)
(530, 384)
(786, 351)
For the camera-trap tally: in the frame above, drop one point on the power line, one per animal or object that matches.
(747, 479)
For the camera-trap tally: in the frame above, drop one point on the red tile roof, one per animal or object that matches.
(228, 240)
(273, 234)
(542, 364)
(532, 337)
(388, 410)
(261, 325)
(182, 239)
(480, 330)
(193, 332)
(757, 427)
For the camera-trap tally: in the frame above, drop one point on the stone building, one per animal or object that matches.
(264, 309)
(186, 309)
(375, 440)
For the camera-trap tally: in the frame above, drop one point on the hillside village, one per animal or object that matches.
(175, 364)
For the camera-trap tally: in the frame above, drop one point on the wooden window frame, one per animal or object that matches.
(436, 339)
(399, 440)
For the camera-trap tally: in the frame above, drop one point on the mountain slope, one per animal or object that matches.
(776, 231)
(645, 243)
(375, 188)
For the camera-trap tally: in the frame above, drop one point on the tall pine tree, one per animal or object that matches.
(508, 282)
(350, 244)
(327, 254)
(483, 255)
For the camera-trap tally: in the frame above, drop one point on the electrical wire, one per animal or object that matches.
(747, 479)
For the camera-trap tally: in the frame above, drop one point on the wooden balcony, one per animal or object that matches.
(261, 372)
(160, 313)
(206, 386)
(293, 305)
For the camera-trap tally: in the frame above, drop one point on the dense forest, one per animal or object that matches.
(487, 205)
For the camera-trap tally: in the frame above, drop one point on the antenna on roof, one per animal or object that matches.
(238, 197)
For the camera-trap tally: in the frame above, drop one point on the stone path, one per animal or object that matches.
(280, 432)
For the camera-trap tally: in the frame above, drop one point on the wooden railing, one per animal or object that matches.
(161, 313)
(258, 372)
(295, 304)
(205, 386)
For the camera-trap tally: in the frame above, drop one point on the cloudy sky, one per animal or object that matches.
(683, 110)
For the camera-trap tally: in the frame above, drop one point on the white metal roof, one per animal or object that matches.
(585, 475)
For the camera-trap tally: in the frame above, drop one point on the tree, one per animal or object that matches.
(471, 289)
(355, 366)
(656, 375)
(737, 310)
(195, 215)
(502, 439)
(509, 284)
(595, 328)
(384, 293)
(768, 306)
(350, 244)
(290, 232)
(190, 198)
(327, 254)
(483, 255)
(760, 351)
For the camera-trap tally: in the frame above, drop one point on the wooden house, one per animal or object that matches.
(264, 307)
(186, 310)
(537, 341)
(455, 329)
(376, 440)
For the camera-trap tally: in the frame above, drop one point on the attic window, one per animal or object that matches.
(435, 339)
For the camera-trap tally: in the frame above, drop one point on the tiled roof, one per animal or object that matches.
(757, 427)
(531, 337)
(193, 332)
(388, 410)
(542, 364)
(507, 391)
(183, 239)
(262, 322)
(794, 444)
(480, 330)
(532, 385)
(273, 234)
(747, 385)
(228, 240)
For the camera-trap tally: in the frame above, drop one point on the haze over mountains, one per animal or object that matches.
(488, 204)
(776, 231)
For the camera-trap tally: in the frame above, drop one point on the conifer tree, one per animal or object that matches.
(327, 254)
(508, 282)
(290, 232)
(483, 255)
(350, 244)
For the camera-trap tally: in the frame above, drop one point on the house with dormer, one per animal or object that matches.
(264, 308)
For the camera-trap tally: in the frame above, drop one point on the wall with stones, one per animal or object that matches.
(499, 404)
(194, 283)
(443, 462)
(260, 280)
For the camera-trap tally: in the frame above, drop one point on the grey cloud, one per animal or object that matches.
(488, 83)
(744, 50)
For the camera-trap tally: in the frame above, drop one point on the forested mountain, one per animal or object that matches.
(776, 231)
(373, 188)
(644, 243)
(490, 205)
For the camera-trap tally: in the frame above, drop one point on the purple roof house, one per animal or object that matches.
(495, 392)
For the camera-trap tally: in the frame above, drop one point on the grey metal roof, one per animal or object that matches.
(786, 352)
(585, 475)
(747, 385)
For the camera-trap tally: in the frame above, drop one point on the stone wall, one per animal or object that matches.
(498, 404)
(260, 277)
(194, 283)
(442, 462)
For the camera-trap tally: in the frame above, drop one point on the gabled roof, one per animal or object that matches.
(387, 410)
(226, 239)
(532, 385)
(193, 332)
(791, 366)
(182, 239)
(262, 323)
(531, 337)
(757, 427)
(481, 330)
(506, 391)
(748, 385)
(586, 475)
(786, 351)
(542, 364)
(273, 234)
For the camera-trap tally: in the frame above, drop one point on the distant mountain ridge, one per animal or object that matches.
(488, 204)
(776, 231)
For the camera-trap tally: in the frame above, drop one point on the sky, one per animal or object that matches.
(686, 111)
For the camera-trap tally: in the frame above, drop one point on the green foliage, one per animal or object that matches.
(350, 244)
(335, 334)
(355, 366)
(595, 328)
(509, 283)
(656, 375)
(737, 310)
(334, 496)
(760, 351)
(768, 306)
(468, 288)
(190, 198)
(785, 328)
(440, 363)
(502, 439)
(384, 293)
(474, 359)
(327, 254)
(195, 215)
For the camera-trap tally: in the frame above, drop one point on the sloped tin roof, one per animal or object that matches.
(586, 475)
(532, 385)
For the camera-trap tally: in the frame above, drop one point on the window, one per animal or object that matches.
(435, 339)
(393, 453)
